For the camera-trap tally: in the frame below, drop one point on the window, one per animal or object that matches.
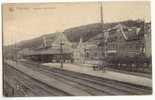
(120, 37)
(137, 47)
(130, 46)
(95, 54)
(115, 38)
(87, 54)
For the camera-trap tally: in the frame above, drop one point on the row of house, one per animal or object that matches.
(119, 41)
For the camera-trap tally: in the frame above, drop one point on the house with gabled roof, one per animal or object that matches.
(123, 41)
(87, 52)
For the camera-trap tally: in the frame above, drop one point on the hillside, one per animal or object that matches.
(85, 32)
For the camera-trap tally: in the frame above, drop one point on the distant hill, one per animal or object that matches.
(85, 32)
(36, 42)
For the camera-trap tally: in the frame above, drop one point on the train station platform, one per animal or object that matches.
(109, 74)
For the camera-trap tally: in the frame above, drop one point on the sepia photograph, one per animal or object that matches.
(100, 48)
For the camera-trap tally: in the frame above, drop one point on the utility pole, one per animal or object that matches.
(144, 30)
(44, 42)
(102, 23)
(15, 53)
(101, 14)
(61, 54)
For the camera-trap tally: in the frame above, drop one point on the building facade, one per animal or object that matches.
(127, 45)
(59, 48)
(148, 40)
(87, 52)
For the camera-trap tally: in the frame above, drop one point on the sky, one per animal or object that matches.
(27, 21)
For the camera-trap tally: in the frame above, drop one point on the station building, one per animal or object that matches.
(50, 50)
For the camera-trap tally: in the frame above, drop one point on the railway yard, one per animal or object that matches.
(24, 78)
(93, 53)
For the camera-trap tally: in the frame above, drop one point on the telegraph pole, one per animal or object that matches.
(61, 54)
(105, 36)
(16, 52)
(102, 23)
(44, 42)
(101, 14)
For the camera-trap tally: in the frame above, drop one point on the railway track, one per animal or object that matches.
(25, 85)
(91, 84)
(125, 87)
(68, 80)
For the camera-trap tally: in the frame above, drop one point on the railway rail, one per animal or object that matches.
(27, 86)
(89, 84)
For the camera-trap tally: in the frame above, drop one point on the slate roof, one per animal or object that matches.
(129, 33)
(132, 34)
